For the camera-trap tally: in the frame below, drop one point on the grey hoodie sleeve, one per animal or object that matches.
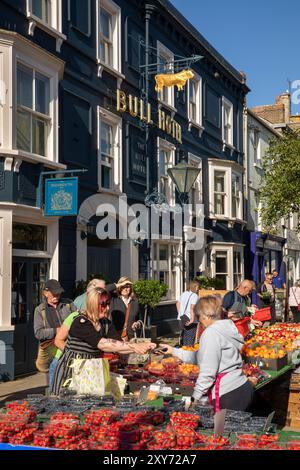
(40, 332)
(185, 356)
(208, 360)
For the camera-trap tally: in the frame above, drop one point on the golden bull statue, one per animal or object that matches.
(170, 79)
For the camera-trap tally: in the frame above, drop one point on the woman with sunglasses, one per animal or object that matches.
(91, 334)
(124, 309)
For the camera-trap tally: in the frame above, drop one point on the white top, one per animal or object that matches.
(294, 297)
(187, 299)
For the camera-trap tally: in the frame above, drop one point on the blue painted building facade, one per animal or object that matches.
(61, 65)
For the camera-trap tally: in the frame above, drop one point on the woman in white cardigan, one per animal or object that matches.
(294, 301)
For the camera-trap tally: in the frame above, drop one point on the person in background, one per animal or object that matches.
(266, 296)
(278, 282)
(294, 301)
(241, 295)
(50, 315)
(219, 360)
(186, 315)
(92, 333)
(80, 301)
(124, 308)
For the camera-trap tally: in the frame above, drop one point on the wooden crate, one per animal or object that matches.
(294, 397)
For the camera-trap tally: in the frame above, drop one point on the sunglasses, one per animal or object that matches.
(128, 286)
(104, 304)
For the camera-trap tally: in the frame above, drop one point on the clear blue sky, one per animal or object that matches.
(260, 37)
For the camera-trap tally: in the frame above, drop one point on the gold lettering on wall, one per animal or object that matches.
(133, 112)
(121, 101)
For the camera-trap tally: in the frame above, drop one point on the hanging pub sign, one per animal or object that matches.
(61, 196)
(137, 108)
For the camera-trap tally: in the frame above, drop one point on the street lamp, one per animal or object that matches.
(183, 176)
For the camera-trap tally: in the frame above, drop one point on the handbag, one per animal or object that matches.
(135, 358)
(46, 351)
(89, 377)
(124, 334)
(298, 305)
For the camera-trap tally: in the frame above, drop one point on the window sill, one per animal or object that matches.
(168, 106)
(21, 155)
(101, 66)
(167, 302)
(112, 192)
(228, 145)
(199, 127)
(258, 166)
(34, 22)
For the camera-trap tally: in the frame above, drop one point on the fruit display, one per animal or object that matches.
(102, 416)
(187, 420)
(253, 371)
(188, 370)
(194, 348)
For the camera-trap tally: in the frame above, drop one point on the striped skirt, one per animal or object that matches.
(189, 334)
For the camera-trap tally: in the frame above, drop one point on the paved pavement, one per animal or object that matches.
(20, 388)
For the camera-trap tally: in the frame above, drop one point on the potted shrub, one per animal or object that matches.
(149, 294)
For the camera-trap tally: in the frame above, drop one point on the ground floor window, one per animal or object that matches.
(222, 267)
(164, 266)
(227, 264)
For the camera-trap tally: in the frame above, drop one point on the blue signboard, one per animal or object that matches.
(61, 196)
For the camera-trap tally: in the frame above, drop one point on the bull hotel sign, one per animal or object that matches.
(136, 108)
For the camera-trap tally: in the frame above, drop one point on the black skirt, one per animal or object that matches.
(189, 334)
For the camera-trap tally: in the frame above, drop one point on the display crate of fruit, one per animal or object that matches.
(268, 363)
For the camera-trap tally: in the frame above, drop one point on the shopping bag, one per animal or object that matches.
(90, 376)
(117, 386)
(46, 354)
(134, 358)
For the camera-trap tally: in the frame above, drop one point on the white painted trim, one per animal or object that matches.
(228, 104)
(198, 122)
(166, 146)
(169, 56)
(13, 49)
(5, 266)
(54, 28)
(115, 11)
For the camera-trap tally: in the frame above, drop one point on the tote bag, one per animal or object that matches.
(90, 376)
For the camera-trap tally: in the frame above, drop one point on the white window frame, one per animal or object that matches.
(229, 248)
(239, 197)
(168, 55)
(256, 145)
(198, 120)
(116, 123)
(15, 49)
(174, 273)
(258, 224)
(114, 10)
(226, 104)
(230, 169)
(168, 147)
(46, 118)
(197, 186)
(54, 28)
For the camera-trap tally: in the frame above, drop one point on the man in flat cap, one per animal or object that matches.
(48, 318)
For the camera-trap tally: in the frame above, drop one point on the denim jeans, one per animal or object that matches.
(51, 372)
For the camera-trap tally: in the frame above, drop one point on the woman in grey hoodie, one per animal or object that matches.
(219, 359)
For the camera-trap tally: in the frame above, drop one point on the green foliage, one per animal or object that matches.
(209, 282)
(280, 194)
(80, 286)
(150, 292)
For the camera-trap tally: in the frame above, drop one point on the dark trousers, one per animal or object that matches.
(239, 399)
(273, 313)
(296, 314)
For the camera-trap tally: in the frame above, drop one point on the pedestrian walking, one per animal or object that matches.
(80, 301)
(186, 315)
(294, 301)
(266, 296)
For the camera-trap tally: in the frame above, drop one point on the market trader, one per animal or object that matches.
(219, 360)
(242, 295)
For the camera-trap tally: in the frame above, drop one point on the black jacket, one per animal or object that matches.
(118, 311)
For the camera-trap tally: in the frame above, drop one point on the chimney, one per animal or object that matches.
(285, 99)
